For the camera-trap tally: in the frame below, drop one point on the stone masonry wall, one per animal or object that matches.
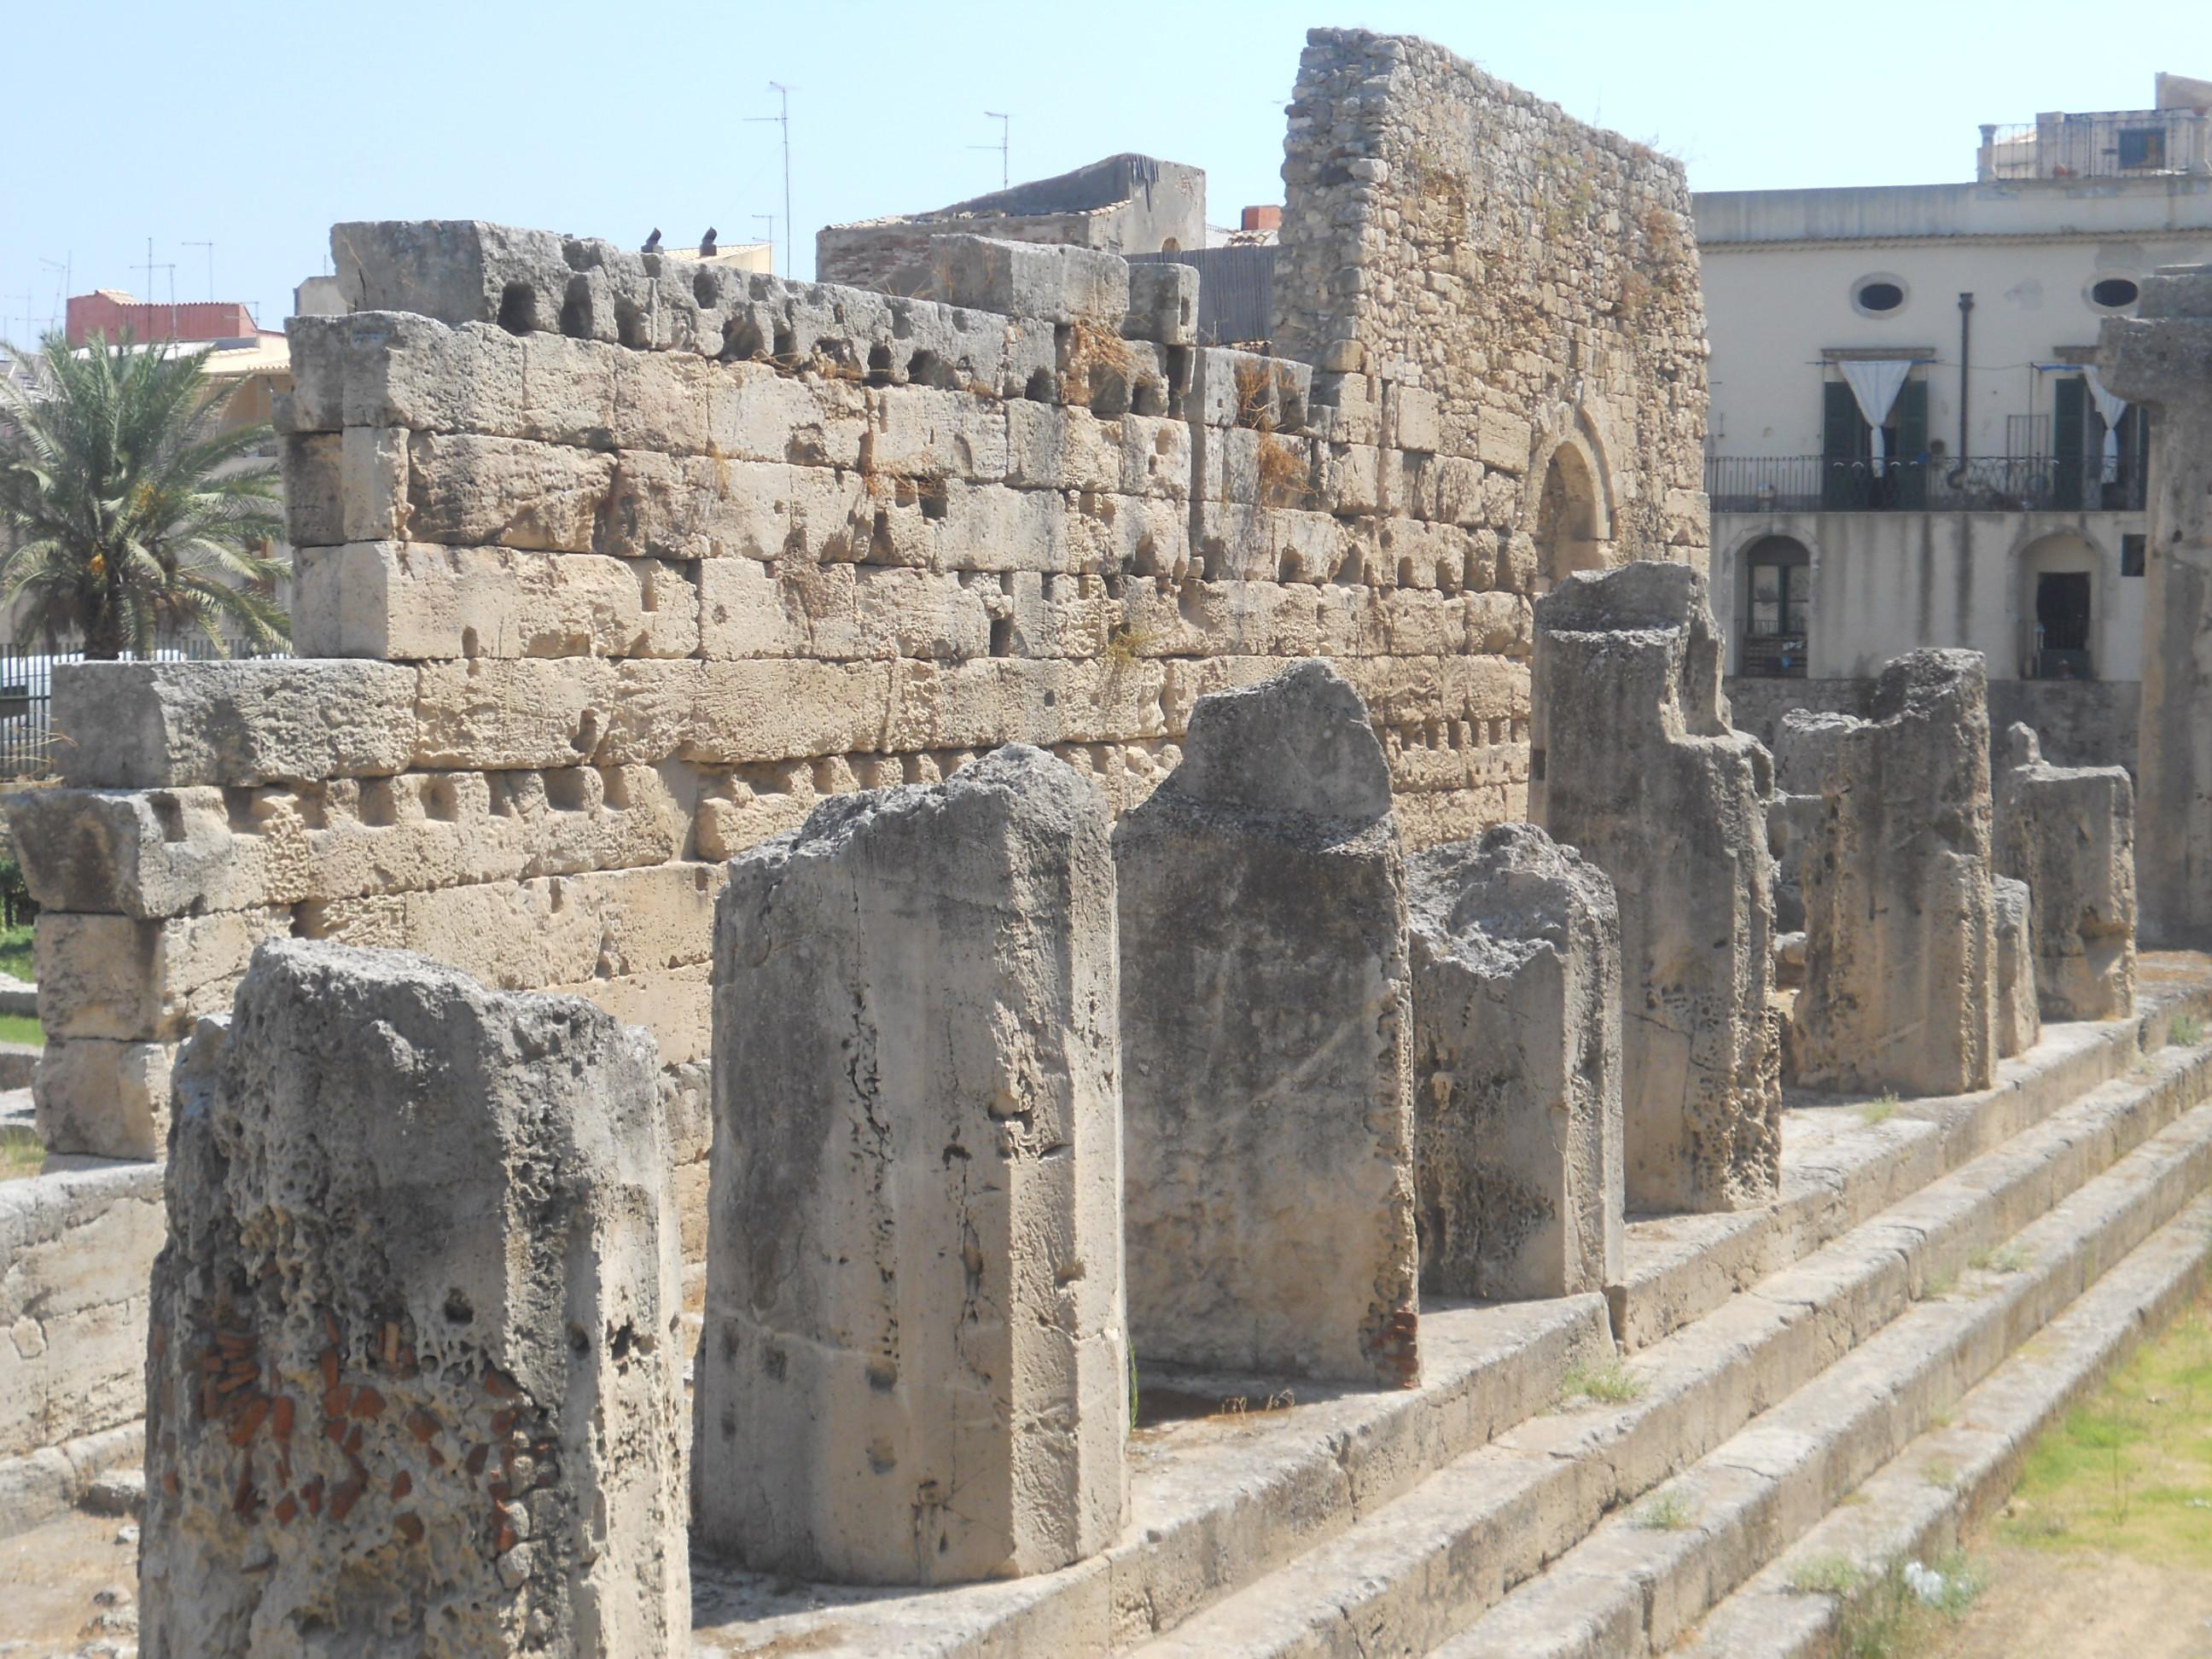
(1536, 277)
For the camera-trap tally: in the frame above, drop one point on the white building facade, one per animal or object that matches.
(1908, 445)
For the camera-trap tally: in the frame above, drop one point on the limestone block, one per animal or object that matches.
(1516, 951)
(137, 981)
(147, 854)
(2068, 832)
(417, 603)
(1451, 490)
(917, 433)
(723, 712)
(508, 492)
(794, 608)
(1028, 279)
(1162, 304)
(1503, 440)
(311, 464)
(2019, 1024)
(991, 527)
(1054, 446)
(1632, 761)
(149, 724)
(77, 1247)
(1156, 457)
(1267, 1042)
(1793, 830)
(489, 713)
(1229, 387)
(1900, 947)
(103, 1098)
(914, 1368)
(690, 508)
(1415, 419)
(458, 270)
(488, 1264)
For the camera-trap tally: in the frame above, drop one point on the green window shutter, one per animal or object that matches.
(1910, 415)
(2069, 427)
(1843, 442)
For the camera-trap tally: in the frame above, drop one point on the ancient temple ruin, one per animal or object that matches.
(1157, 964)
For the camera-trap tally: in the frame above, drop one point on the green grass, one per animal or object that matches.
(2009, 1260)
(1824, 1575)
(1880, 1109)
(1884, 1616)
(2186, 1031)
(1937, 1286)
(22, 1152)
(1938, 1473)
(15, 952)
(21, 1028)
(2129, 1471)
(1669, 1512)
(1611, 1382)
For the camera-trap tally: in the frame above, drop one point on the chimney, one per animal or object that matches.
(1262, 218)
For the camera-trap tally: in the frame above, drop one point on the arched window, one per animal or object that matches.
(2058, 609)
(1567, 533)
(1777, 609)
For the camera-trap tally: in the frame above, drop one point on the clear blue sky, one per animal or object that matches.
(256, 125)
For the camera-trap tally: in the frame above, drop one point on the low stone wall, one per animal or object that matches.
(76, 1247)
(2080, 722)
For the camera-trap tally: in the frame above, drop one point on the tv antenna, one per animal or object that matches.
(68, 268)
(1006, 133)
(783, 120)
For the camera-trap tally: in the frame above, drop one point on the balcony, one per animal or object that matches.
(1772, 657)
(2134, 143)
(1815, 483)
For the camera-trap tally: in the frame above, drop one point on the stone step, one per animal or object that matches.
(1920, 1504)
(1647, 1574)
(1411, 1572)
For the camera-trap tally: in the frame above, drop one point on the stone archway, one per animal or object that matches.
(1571, 519)
(2059, 605)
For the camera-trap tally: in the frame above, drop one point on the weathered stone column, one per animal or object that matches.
(1266, 1030)
(1633, 762)
(2020, 1023)
(1901, 950)
(1516, 1067)
(914, 1368)
(2069, 833)
(412, 1373)
(2162, 357)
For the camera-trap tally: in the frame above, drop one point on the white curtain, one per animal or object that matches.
(1875, 381)
(2110, 409)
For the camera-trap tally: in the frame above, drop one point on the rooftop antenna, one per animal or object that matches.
(27, 296)
(209, 246)
(67, 266)
(783, 120)
(1005, 134)
(150, 268)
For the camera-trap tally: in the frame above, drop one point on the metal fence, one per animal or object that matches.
(2096, 144)
(1235, 291)
(1817, 483)
(28, 740)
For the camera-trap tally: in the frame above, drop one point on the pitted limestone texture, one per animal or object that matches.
(2020, 1022)
(2161, 357)
(412, 1372)
(1516, 951)
(914, 1367)
(1639, 769)
(2069, 833)
(1266, 1041)
(1901, 950)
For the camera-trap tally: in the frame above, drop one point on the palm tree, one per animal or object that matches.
(124, 505)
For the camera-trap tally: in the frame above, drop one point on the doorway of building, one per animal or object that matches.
(2062, 625)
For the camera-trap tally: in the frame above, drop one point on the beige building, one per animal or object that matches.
(1908, 445)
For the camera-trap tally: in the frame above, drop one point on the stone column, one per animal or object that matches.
(914, 1368)
(1266, 1030)
(1900, 948)
(2162, 357)
(2020, 1023)
(1635, 764)
(412, 1369)
(1516, 1067)
(2068, 832)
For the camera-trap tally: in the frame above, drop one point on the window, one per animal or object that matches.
(1849, 483)
(1877, 296)
(1777, 586)
(2113, 292)
(2142, 147)
(2131, 553)
(1777, 600)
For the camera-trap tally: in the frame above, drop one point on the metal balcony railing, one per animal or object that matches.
(1816, 484)
(1772, 656)
(2128, 143)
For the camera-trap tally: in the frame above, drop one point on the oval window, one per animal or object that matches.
(1880, 296)
(2113, 292)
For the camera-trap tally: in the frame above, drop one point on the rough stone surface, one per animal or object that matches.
(914, 1368)
(412, 1369)
(2161, 357)
(1267, 1036)
(1901, 968)
(1516, 953)
(1639, 769)
(2069, 833)
(2020, 1023)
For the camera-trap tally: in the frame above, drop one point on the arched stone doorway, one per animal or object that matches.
(2058, 608)
(1571, 532)
(1774, 609)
